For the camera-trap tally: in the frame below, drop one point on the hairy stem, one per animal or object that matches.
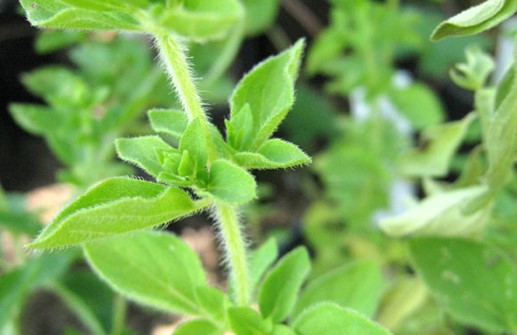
(235, 250)
(172, 52)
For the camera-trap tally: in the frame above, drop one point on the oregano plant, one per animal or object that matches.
(205, 171)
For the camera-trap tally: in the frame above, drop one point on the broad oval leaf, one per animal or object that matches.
(142, 152)
(278, 293)
(155, 269)
(331, 319)
(357, 286)
(115, 206)
(475, 283)
(230, 183)
(269, 90)
(476, 19)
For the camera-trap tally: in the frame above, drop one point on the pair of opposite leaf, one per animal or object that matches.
(117, 205)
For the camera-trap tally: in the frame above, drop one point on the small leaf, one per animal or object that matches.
(193, 140)
(282, 330)
(357, 286)
(230, 183)
(331, 319)
(155, 269)
(444, 214)
(212, 300)
(476, 19)
(246, 321)
(115, 206)
(261, 261)
(142, 152)
(168, 121)
(475, 283)
(473, 74)
(418, 104)
(260, 15)
(197, 327)
(269, 91)
(201, 20)
(440, 142)
(274, 154)
(278, 293)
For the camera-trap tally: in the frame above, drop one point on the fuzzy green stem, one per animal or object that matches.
(174, 57)
(235, 250)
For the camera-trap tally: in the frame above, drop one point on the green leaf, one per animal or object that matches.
(475, 283)
(418, 104)
(501, 140)
(260, 15)
(197, 327)
(357, 286)
(261, 260)
(52, 40)
(34, 119)
(246, 321)
(142, 152)
(212, 300)
(168, 121)
(201, 20)
(282, 330)
(331, 319)
(269, 91)
(193, 140)
(476, 19)
(473, 74)
(58, 14)
(504, 86)
(114, 206)
(278, 293)
(230, 183)
(445, 214)
(155, 269)
(274, 154)
(439, 143)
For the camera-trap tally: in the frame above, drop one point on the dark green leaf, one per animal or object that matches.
(278, 293)
(475, 283)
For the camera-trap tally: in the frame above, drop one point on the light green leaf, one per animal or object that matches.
(282, 330)
(115, 206)
(168, 121)
(269, 91)
(331, 319)
(357, 286)
(278, 293)
(260, 15)
(58, 14)
(239, 129)
(246, 321)
(261, 260)
(274, 154)
(155, 269)
(473, 74)
(53, 40)
(504, 86)
(475, 283)
(476, 19)
(501, 139)
(33, 118)
(212, 300)
(142, 152)
(418, 104)
(230, 183)
(445, 214)
(439, 143)
(197, 327)
(193, 140)
(201, 20)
